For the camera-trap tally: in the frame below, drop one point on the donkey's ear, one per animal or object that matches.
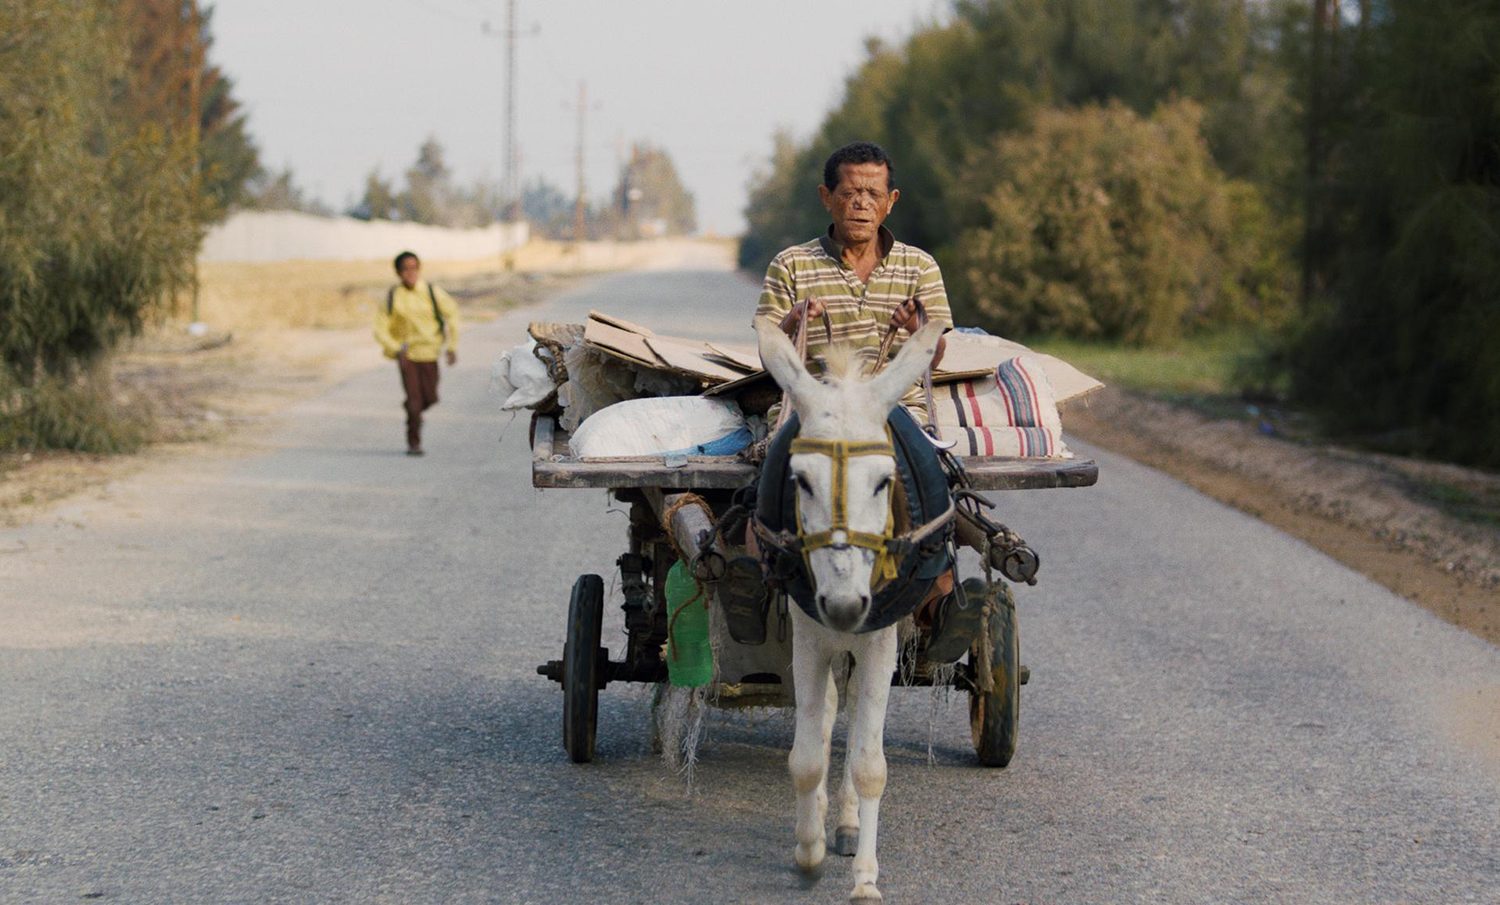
(780, 358)
(916, 354)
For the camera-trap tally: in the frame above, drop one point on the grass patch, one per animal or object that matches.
(1218, 375)
(81, 415)
(1210, 365)
(1470, 505)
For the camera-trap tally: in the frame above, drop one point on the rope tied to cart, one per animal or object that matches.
(670, 511)
(700, 592)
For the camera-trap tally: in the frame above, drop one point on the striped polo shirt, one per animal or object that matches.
(860, 312)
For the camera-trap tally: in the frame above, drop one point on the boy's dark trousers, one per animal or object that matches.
(420, 380)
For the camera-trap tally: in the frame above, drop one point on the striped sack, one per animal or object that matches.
(1010, 413)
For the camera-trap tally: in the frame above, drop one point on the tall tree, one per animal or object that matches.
(379, 202)
(548, 209)
(279, 191)
(431, 197)
(173, 84)
(782, 208)
(1402, 345)
(650, 197)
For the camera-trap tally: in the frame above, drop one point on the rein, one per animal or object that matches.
(885, 353)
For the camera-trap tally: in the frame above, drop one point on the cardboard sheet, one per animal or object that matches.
(969, 356)
(729, 368)
(620, 322)
(621, 343)
(641, 346)
(744, 357)
(691, 357)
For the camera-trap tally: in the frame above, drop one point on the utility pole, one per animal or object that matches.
(510, 188)
(195, 126)
(512, 195)
(578, 206)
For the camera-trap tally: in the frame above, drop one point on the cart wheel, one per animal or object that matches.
(581, 668)
(993, 717)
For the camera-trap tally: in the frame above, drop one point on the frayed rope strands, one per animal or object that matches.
(670, 512)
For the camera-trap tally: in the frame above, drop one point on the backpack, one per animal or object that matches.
(390, 304)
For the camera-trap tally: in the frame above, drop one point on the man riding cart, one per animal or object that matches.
(795, 509)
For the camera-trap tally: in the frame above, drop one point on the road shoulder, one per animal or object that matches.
(1391, 519)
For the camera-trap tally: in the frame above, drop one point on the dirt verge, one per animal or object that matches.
(1428, 531)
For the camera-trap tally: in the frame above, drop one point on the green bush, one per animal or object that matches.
(100, 214)
(1101, 223)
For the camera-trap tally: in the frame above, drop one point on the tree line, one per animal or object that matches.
(648, 199)
(1325, 172)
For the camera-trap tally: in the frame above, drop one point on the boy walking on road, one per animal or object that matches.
(413, 325)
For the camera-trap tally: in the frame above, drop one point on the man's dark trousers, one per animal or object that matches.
(420, 380)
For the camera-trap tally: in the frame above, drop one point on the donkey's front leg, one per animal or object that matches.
(874, 666)
(846, 828)
(817, 706)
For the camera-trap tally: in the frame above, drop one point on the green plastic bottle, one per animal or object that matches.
(690, 659)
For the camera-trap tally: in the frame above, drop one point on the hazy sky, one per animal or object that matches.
(335, 88)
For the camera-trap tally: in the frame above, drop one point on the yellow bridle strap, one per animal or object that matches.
(839, 453)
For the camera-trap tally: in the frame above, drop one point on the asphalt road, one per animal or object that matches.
(304, 672)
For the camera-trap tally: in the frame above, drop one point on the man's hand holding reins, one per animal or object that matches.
(908, 317)
(794, 317)
(905, 316)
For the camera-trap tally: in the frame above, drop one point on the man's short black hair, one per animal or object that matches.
(403, 256)
(858, 152)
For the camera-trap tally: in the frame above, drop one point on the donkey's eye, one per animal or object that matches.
(804, 486)
(883, 486)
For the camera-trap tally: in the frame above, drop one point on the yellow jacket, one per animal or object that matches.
(410, 321)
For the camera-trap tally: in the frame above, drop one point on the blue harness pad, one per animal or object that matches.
(926, 496)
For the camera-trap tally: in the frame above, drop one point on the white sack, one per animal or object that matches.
(520, 377)
(651, 427)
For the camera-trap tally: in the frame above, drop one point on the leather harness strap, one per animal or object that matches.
(839, 535)
(889, 548)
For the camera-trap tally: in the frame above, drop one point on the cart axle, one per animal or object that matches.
(611, 671)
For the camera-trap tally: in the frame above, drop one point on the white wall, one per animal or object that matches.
(290, 236)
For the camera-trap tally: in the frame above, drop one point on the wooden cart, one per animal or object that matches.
(747, 674)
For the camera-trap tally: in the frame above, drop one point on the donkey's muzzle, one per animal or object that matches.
(844, 616)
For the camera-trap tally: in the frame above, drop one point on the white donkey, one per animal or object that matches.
(846, 520)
